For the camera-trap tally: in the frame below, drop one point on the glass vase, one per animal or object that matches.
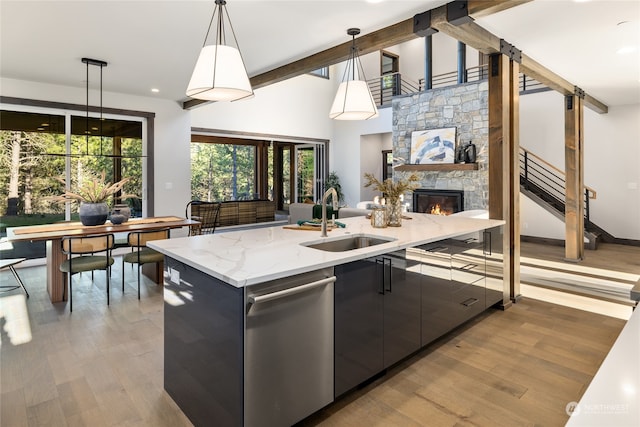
(394, 213)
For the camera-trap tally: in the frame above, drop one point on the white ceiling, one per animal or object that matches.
(154, 44)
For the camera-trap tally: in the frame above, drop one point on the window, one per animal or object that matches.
(228, 168)
(321, 72)
(223, 172)
(36, 161)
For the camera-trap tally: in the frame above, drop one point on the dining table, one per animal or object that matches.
(54, 233)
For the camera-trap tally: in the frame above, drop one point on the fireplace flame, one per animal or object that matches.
(437, 210)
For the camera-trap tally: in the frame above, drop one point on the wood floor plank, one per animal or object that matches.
(13, 410)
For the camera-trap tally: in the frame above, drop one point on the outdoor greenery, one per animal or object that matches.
(32, 169)
(222, 172)
(306, 179)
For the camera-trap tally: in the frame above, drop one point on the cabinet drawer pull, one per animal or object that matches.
(469, 266)
(438, 249)
(470, 240)
(469, 302)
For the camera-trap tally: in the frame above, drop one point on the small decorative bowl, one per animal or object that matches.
(117, 218)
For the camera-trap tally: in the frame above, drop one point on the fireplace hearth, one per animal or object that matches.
(438, 202)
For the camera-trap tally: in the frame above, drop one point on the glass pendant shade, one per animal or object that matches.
(219, 75)
(353, 101)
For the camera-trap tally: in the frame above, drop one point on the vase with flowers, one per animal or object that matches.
(93, 195)
(393, 191)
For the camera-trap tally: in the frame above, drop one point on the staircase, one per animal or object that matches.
(546, 185)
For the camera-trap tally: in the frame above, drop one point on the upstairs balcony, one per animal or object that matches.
(385, 87)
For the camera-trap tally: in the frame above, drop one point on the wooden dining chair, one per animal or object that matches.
(84, 254)
(204, 212)
(143, 254)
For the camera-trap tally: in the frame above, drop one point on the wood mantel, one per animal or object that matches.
(439, 167)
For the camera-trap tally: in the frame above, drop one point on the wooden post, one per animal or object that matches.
(514, 181)
(504, 172)
(574, 166)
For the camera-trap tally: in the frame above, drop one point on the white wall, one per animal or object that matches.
(611, 159)
(297, 107)
(371, 147)
(172, 135)
(346, 151)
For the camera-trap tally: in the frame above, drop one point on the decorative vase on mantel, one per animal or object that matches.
(394, 213)
(93, 213)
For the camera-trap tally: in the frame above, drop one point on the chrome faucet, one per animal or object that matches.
(333, 192)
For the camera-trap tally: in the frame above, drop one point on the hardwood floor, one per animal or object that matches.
(518, 367)
(103, 365)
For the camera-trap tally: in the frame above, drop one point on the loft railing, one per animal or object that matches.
(548, 182)
(385, 87)
(481, 72)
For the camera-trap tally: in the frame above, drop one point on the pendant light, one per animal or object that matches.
(101, 64)
(353, 100)
(220, 73)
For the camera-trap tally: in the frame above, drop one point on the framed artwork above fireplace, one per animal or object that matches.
(433, 146)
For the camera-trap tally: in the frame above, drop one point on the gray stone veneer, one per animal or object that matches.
(464, 106)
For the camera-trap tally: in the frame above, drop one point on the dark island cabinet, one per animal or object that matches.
(377, 316)
(358, 323)
(203, 347)
(461, 277)
(436, 300)
(401, 306)
(467, 277)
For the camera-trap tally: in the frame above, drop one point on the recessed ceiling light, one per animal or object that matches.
(155, 90)
(626, 50)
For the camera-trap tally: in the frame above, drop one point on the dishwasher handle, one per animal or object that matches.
(290, 291)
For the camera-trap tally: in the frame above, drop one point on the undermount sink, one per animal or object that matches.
(348, 243)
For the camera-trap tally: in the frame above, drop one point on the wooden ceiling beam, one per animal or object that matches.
(470, 33)
(484, 41)
(480, 8)
(377, 40)
(372, 42)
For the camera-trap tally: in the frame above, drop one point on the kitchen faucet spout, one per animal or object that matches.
(333, 192)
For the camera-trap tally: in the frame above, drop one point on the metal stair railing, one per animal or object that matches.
(548, 182)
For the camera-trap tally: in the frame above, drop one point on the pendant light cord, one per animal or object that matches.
(86, 130)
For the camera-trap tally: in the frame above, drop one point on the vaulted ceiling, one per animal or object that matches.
(154, 43)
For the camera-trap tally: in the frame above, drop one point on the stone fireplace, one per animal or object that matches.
(464, 107)
(438, 202)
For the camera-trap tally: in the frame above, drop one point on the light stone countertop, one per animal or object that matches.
(249, 257)
(612, 396)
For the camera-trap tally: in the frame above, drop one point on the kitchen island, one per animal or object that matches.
(263, 328)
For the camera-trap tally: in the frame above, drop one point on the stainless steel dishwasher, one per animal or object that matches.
(288, 348)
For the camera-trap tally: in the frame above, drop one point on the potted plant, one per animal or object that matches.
(334, 181)
(93, 195)
(393, 192)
